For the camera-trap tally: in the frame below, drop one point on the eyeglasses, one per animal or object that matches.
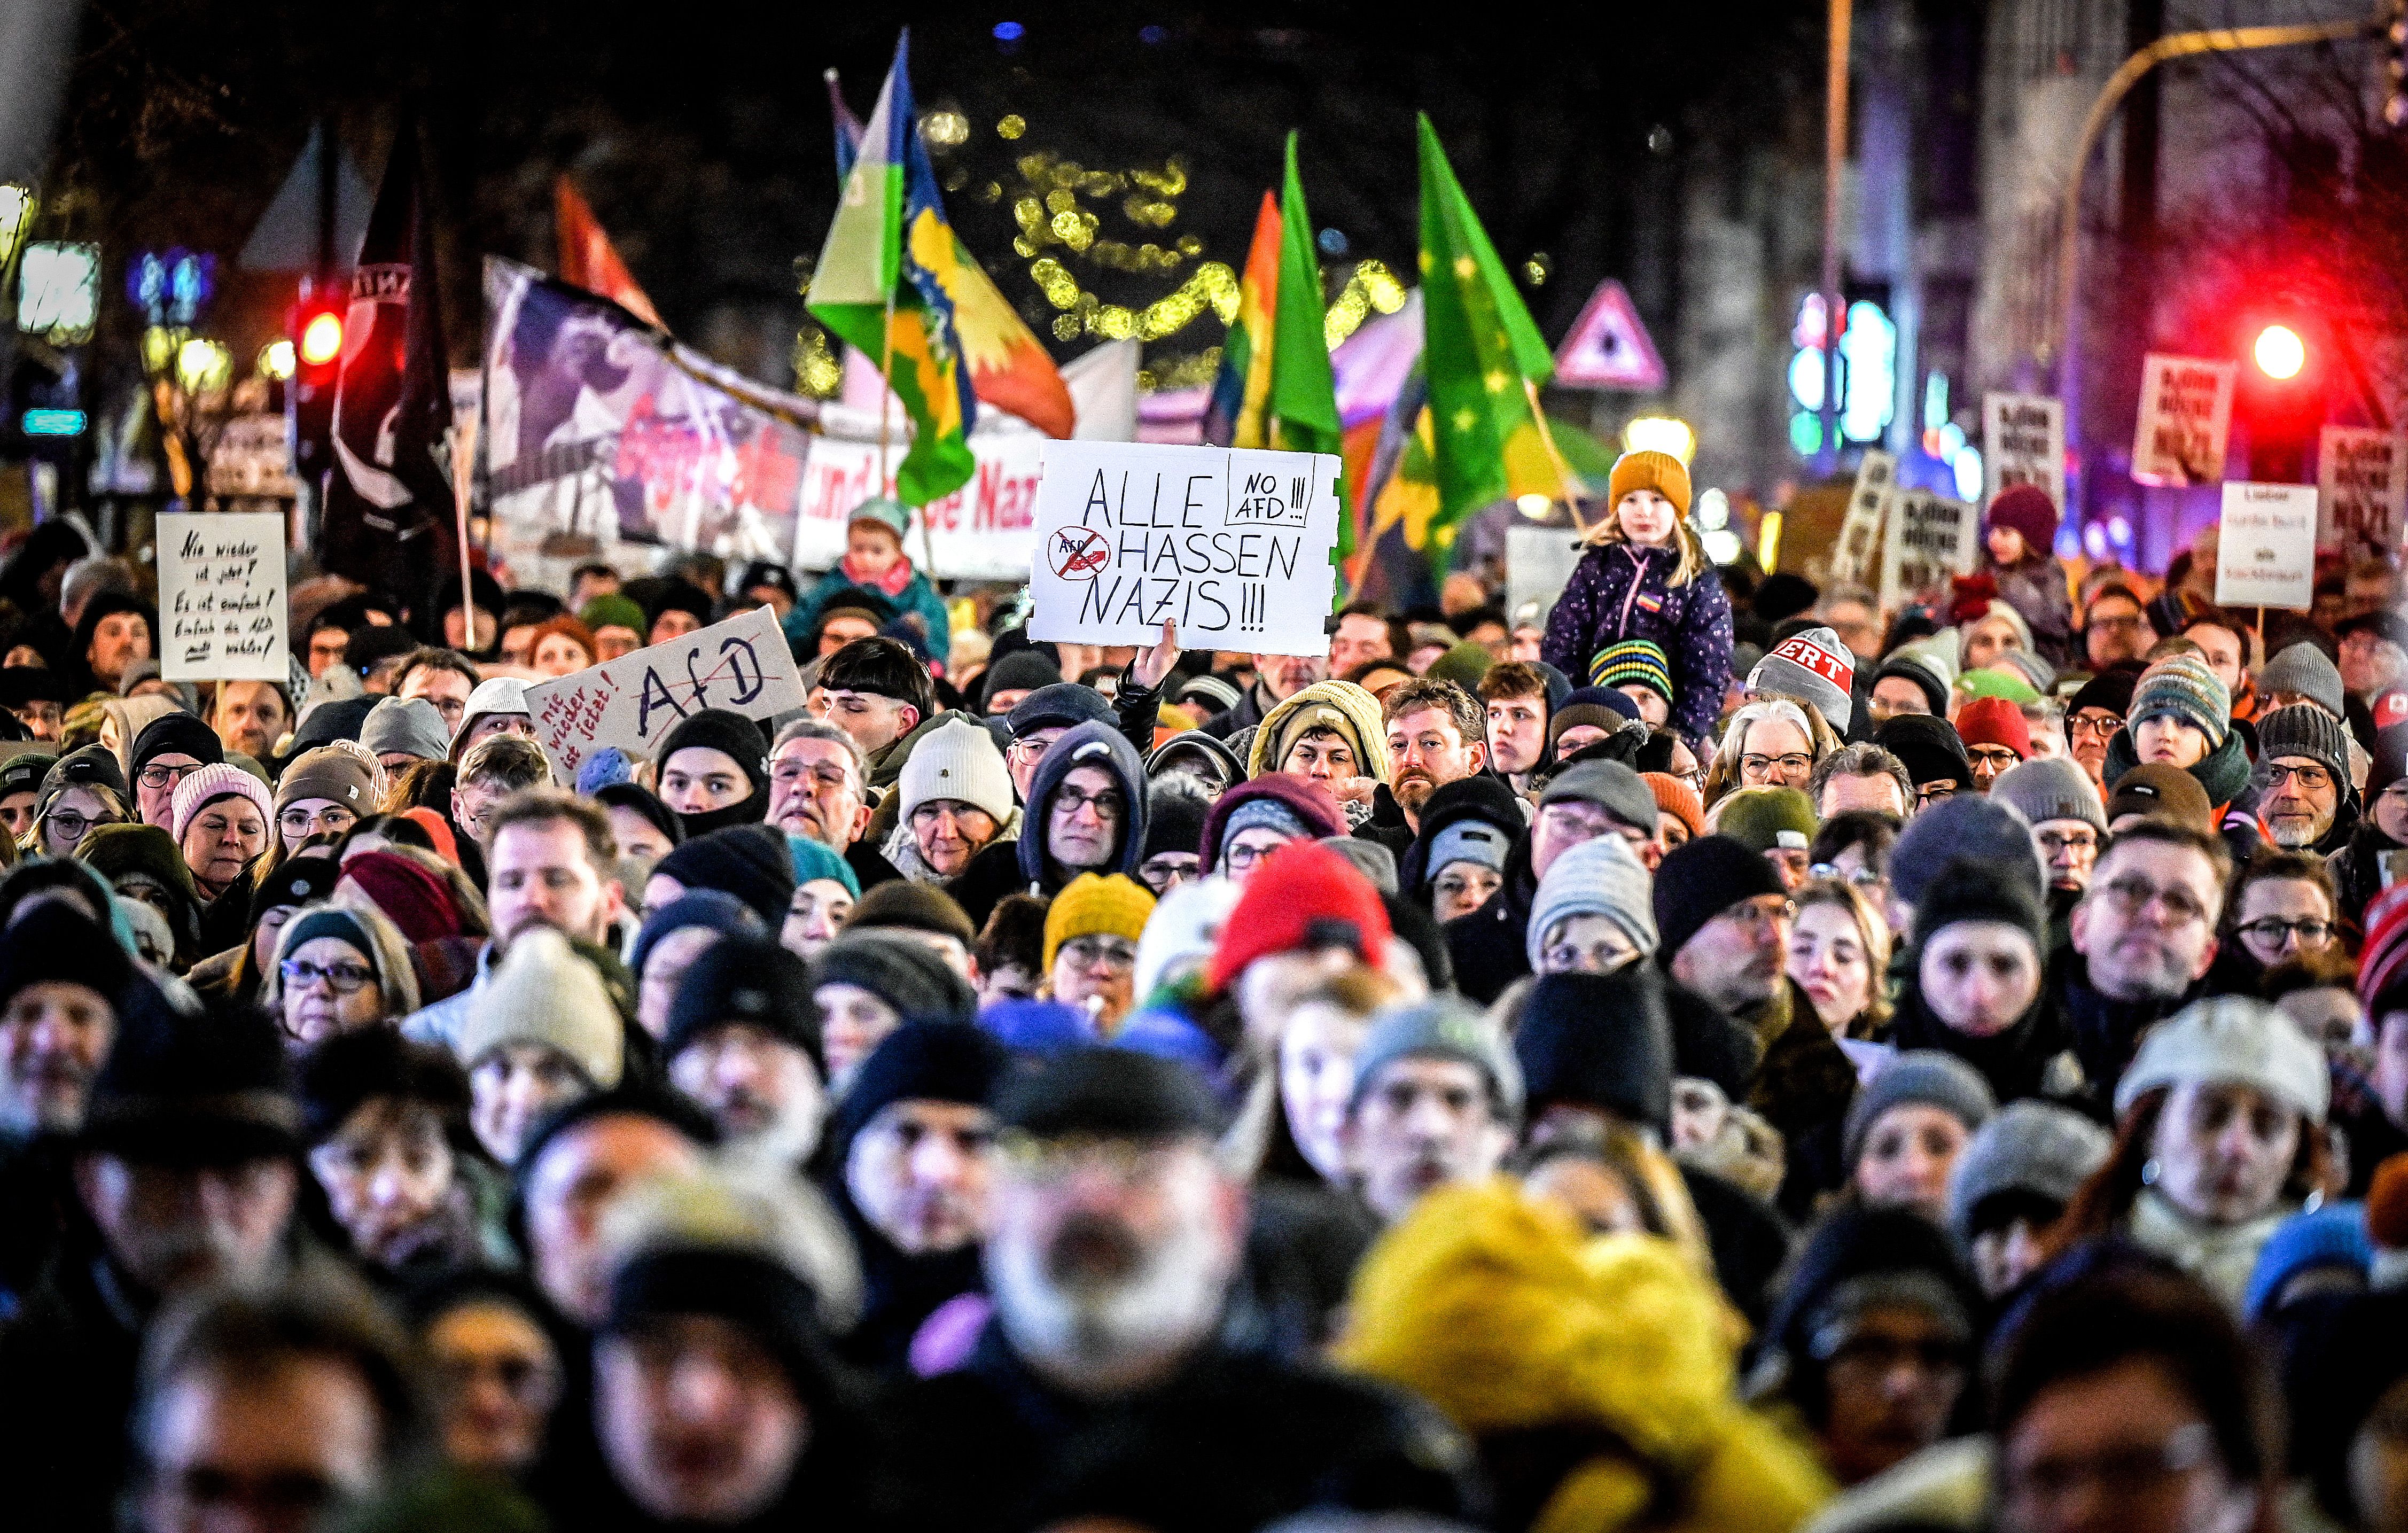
(155, 776)
(1068, 802)
(71, 825)
(2100, 727)
(2313, 778)
(1992, 756)
(2117, 626)
(828, 779)
(303, 822)
(1932, 793)
(2131, 895)
(2119, 1474)
(1117, 953)
(1129, 1163)
(1790, 765)
(342, 978)
(1240, 856)
(1863, 878)
(2055, 841)
(2270, 931)
(1763, 910)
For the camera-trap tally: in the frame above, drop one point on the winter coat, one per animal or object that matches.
(917, 598)
(2104, 1032)
(1489, 948)
(2035, 1058)
(1020, 866)
(1621, 591)
(2356, 869)
(2037, 590)
(2221, 1256)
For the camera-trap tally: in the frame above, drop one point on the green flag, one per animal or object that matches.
(1303, 410)
(1483, 359)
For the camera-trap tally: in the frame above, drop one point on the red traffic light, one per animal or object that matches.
(2279, 352)
(321, 339)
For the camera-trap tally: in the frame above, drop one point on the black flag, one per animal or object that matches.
(389, 518)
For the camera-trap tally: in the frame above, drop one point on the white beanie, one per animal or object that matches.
(542, 992)
(493, 695)
(2237, 1040)
(957, 759)
(1601, 876)
(1184, 929)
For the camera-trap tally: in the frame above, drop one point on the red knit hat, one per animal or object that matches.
(438, 830)
(1678, 800)
(1303, 896)
(412, 897)
(2382, 961)
(2027, 508)
(1994, 721)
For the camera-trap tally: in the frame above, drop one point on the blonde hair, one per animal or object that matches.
(1872, 930)
(1692, 563)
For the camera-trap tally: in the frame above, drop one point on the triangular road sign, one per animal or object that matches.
(1608, 347)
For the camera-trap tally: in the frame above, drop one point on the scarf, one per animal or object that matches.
(891, 585)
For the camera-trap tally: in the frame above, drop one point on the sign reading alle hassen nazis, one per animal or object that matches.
(741, 664)
(1233, 545)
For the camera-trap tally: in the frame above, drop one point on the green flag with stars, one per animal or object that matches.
(1483, 357)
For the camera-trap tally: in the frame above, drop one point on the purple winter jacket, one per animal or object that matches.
(1620, 591)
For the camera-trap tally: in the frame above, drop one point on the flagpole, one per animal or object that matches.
(1563, 469)
(463, 467)
(886, 384)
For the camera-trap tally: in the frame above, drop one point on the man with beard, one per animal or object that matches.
(1438, 1098)
(2143, 937)
(551, 861)
(743, 1044)
(2307, 803)
(1438, 734)
(915, 1160)
(1100, 1388)
(184, 1178)
(816, 777)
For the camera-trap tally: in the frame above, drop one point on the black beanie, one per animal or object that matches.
(299, 881)
(904, 974)
(1174, 816)
(923, 1062)
(54, 942)
(180, 732)
(741, 740)
(748, 1289)
(746, 980)
(750, 862)
(643, 801)
(349, 1070)
(1929, 747)
(1598, 1040)
(1935, 691)
(2111, 689)
(1971, 889)
(1698, 880)
(1110, 1094)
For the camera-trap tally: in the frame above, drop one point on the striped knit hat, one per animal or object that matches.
(2181, 685)
(1638, 660)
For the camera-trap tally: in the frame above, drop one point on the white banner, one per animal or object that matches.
(984, 531)
(2185, 413)
(1233, 545)
(2023, 442)
(1928, 540)
(2362, 482)
(222, 607)
(741, 664)
(2266, 547)
(1852, 552)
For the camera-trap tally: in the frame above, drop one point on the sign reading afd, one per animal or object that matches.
(741, 666)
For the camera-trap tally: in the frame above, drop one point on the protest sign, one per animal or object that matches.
(221, 596)
(2185, 411)
(1931, 538)
(986, 530)
(1860, 529)
(1232, 544)
(2023, 442)
(2266, 546)
(1539, 563)
(2362, 484)
(741, 664)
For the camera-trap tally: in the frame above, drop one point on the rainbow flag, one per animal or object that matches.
(1233, 416)
(1008, 366)
(873, 290)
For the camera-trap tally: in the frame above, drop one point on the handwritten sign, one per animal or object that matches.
(2362, 480)
(1234, 545)
(2023, 442)
(221, 596)
(2266, 546)
(740, 665)
(1931, 538)
(2185, 411)
(1860, 529)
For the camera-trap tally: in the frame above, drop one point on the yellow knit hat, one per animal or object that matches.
(1648, 469)
(1092, 904)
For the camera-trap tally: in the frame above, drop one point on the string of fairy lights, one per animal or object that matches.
(1077, 221)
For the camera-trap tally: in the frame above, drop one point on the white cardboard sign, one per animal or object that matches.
(1860, 530)
(1539, 563)
(2362, 480)
(1929, 538)
(1234, 545)
(221, 609)
(2266, 547)
(2185, 413)
(2023, 442)
(741, 664)
(983, 531)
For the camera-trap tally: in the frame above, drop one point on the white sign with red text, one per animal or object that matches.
(741, 664)
(984, 531)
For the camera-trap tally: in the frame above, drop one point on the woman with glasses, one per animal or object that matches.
(1772, 742)
(1091, 933)
(338, 971)
(2281, 907)
(170, 749)
(323, 790)
(82, 789)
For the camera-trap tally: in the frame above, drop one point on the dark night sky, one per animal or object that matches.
(700, 131)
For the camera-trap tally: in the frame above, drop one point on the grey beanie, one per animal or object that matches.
(1371, 859)
(2304, 729)
(406, 727)
(1598, 877)
(1919, 1075)
(1970, 827)
(2238, 1039)
(2031, 1147)
(1445, 1027)
(2304, 669)
(1474, 841)
(1610, 786)
(1260, 814)
(2049, 788)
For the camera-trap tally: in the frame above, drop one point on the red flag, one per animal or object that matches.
(589, 260)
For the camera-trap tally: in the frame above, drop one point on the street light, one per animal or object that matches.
(1660, 434)
(2280, 353)
(203, 365)
(16, 218)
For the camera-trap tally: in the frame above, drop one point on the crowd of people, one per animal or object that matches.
(1712, 1054)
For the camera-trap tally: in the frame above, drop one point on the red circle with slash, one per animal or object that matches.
(1076, 553)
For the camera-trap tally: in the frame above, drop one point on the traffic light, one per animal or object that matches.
(316, 330)
(2281, 399)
